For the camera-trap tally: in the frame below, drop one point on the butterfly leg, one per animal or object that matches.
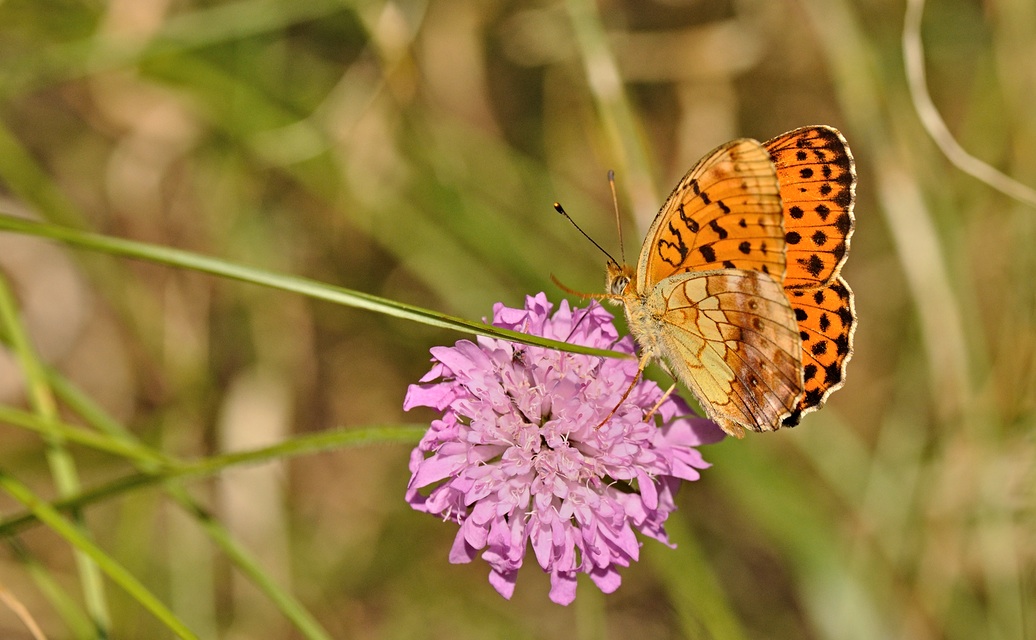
(644, 359)
(665, 396)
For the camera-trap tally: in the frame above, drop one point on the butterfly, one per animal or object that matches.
(738, 286)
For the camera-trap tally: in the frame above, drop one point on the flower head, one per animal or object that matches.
(518, 456)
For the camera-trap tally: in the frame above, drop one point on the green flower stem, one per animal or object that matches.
(68, 608)
(238, 555)
(249, 565)
(129, 449)
(301, 445)
(62, 465)
(17, 523)
(312, 288)
(160, 469)
(68, 530)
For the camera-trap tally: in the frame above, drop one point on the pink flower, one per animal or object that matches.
(518, 457)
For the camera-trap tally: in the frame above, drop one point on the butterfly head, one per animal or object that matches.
(618, 279)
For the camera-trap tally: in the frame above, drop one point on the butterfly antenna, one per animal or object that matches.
(561, 210)
(618, 220)
(584, 296)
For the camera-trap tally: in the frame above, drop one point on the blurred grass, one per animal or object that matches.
(412, 151)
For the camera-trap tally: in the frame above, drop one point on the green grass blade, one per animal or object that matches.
(618, 117)
(62, 464)
(71, 533)
(187, 260)
(130, 450)
(67, 607)
(249, 565)
(301, 445)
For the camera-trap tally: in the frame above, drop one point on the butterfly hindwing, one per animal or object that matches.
(826, 319)
(729, 336)
(724, 214)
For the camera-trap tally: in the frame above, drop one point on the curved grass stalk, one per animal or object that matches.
(913, 60)
(312, 288)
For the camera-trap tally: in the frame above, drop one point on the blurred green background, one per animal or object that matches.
(413, 150)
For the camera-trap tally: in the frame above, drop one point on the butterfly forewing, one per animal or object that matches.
(817, 177)
(729, 336)
(725, 213)
(827, 321)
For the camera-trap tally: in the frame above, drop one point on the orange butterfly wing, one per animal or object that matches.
(827, 322)
(817, 177)
(700, 297)
(724, 214)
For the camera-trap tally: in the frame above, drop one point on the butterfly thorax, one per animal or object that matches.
(621, 285)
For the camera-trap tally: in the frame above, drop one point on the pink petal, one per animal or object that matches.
(606, 579)
(562, 587)
(434, 469)
(648, 490)
(542, 542)
(694, 432)
(462, 552)
(436, 396)
(503, 582)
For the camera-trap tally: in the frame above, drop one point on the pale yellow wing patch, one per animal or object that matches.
(731, 336)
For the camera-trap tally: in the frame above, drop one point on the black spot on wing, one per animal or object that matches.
(842, 344)
(814, 265)
(720, 231)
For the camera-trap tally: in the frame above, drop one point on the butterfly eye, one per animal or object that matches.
(619, 285)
